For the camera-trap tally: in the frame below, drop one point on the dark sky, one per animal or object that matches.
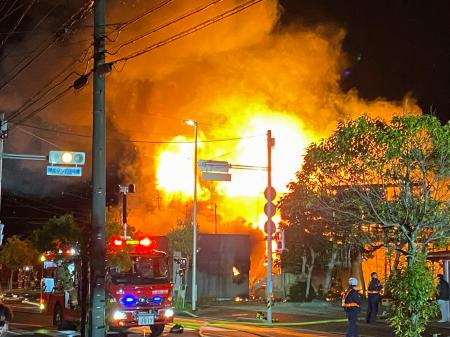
(396, 46)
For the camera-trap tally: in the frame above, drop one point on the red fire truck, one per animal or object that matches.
(140, 295)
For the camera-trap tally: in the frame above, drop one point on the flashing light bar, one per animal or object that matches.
(145, 242)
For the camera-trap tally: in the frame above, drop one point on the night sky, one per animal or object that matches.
(394, 47)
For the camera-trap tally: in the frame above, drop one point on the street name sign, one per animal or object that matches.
(213, 166)
(212, 176)
(66, 171)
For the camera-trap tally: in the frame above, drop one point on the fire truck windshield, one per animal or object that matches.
(144, 270)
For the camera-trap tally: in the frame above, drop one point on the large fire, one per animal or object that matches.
(237, 78)
(175, 164)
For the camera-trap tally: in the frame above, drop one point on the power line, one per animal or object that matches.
(141, 16)
(47, 89)
(57, 36)
(190, 31)
(11, 11)
(165, 25)
(40, 138)
(175, 37)
(42, 107)
(142, 141)
(2, 43)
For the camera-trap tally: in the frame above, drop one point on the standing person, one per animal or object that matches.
(373, 298)
(351, 301)
(443, 296)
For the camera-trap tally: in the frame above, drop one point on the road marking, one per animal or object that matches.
(239, 315)
(26, 324)
(189, 313)
(217, 322)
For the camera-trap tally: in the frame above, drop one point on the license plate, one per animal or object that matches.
(146, 319)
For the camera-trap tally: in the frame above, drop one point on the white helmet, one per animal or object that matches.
(352, 281)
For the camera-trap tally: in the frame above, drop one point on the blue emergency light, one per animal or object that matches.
(128, 300)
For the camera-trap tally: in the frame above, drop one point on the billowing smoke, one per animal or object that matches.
(237, 78)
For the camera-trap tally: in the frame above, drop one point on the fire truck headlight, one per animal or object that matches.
(119, 315)
(168, 313)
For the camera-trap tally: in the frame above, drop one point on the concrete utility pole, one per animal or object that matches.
(97, 264)
(194, 239)
(269, 230)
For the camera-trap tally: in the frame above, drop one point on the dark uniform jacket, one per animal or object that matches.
(351, 301)
(443, 292)
(375, 287)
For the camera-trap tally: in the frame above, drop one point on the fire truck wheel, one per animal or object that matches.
(58, 316)
(157, 330)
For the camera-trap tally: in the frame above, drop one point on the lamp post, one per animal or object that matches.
(194, 239)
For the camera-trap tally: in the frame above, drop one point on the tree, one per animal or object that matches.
(312, 237)
(411, 309)
(180, 238)
(390, 176)
(59, 232)
(391, 180)
(17, 253)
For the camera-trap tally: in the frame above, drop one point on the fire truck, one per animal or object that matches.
(138, 295)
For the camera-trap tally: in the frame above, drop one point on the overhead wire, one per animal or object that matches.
(122, 26)
(175, 37)
(165, 25)
(18, 22)
(189, 31)
(142, 141)
(11, 11)
(40, 94)
(45, 105)
(28, 60)
(48, 88)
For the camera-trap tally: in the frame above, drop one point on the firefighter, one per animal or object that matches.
(373, 298)
(351, 302)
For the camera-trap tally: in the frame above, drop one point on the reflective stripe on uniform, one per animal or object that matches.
(351, 304)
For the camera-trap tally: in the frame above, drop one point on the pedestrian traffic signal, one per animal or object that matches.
(66, 157)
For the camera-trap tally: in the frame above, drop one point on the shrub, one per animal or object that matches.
(412, 293)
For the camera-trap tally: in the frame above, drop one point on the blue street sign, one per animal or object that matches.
(67, 171)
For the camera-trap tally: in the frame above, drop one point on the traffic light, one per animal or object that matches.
(66, 157)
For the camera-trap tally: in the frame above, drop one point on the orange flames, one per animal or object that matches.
(237, 79)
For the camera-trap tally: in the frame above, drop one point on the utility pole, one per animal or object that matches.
(97, 244)
(269, 210)
(3, 135)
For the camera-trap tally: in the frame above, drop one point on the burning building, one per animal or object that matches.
(237, 78)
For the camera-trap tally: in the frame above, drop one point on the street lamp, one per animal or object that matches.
(194, 239)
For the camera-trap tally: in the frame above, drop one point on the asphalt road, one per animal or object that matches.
(223, 321)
